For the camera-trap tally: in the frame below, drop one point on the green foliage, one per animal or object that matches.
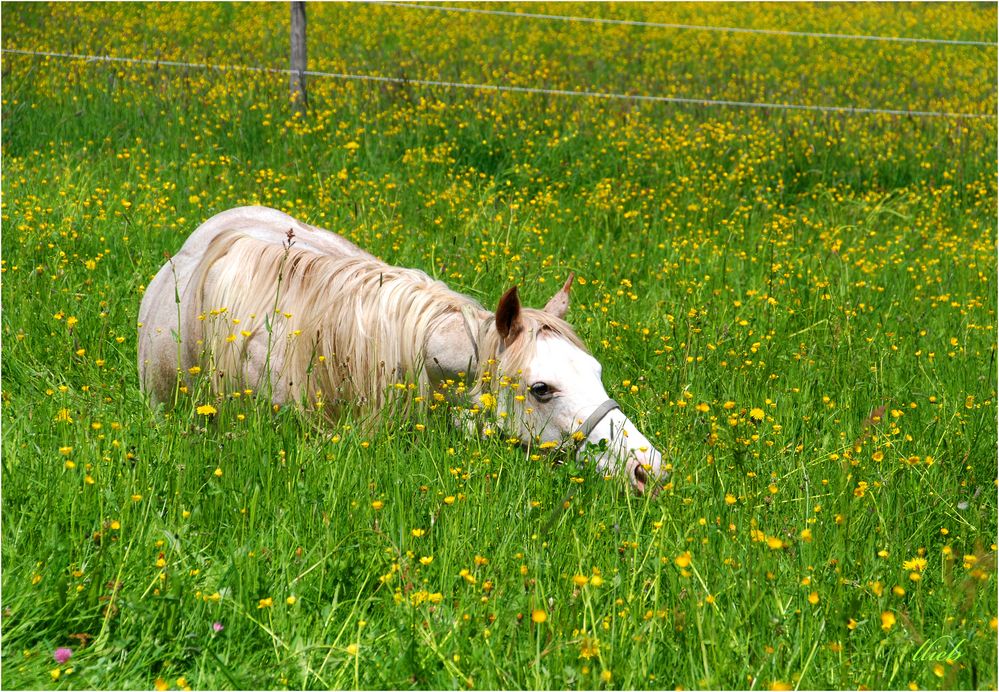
(799, 309)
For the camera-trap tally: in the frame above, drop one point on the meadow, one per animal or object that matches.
(798, 308)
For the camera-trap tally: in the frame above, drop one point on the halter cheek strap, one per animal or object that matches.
(590, 423)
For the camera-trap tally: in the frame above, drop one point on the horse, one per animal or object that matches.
(259, 301)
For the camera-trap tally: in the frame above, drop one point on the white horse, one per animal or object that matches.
(258, 300)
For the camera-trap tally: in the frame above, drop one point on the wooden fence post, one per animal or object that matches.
(299, 97)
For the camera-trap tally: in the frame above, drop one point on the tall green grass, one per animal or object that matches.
(798, 309)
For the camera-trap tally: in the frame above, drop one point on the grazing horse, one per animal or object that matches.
(258, 300)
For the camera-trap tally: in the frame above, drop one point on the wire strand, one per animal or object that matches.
(504, 88)
(695, 27)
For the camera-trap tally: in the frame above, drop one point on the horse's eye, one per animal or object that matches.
(541, 391)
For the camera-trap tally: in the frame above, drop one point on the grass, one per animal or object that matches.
(799, 309)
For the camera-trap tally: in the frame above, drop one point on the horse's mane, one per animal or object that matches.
(348, 328)
(344, 330)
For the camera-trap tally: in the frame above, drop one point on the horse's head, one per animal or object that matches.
(549, 390)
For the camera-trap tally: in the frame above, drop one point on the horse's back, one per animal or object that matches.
(162, 321)
(270, 226)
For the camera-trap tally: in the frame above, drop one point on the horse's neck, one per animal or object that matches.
(454, 349)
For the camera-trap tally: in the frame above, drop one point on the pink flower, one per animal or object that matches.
(217, 626)
(62, 654)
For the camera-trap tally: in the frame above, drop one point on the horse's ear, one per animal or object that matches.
(508, 322)
(559, 303)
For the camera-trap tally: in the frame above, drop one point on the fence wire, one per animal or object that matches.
(695, 27)
(648, 98)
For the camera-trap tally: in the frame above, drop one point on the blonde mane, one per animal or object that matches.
(344, 330)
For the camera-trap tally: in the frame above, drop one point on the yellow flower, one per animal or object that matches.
(161, 684)
(206, 410)
(426, 560)
(580, 580)
(774, 543)
(539, 616)
(756, 414)
(813, 597)
(265, 603)
(730, 499)
(887, 620)
(683, 560)
(377, 505)
(291, 600)
(418, 532)
(352, 649)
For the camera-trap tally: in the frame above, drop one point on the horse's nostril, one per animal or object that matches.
(641, 477)
(640, 474)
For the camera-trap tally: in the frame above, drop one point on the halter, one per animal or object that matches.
(594, 420)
